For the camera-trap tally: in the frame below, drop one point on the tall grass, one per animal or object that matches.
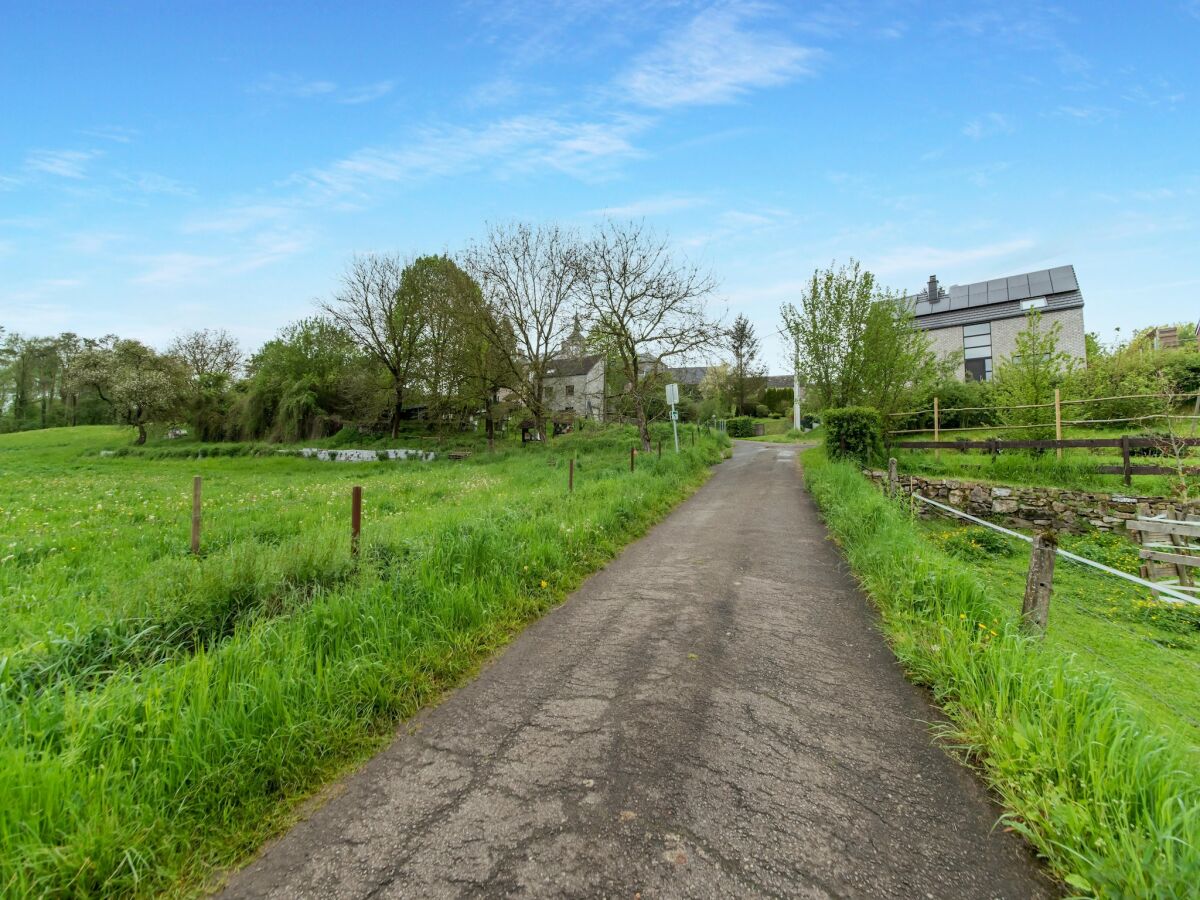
(146, 740)
(1111, 803)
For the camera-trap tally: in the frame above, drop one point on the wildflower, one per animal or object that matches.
(963, 616)
(545, 584)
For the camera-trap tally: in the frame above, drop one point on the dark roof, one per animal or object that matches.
(997, 298)
(691, 375)
(780, 381)
(569, 366)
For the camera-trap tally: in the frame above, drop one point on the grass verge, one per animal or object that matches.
(162, 714)
(1111, 802)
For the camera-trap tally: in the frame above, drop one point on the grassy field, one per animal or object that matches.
(1075, 471)
(1088, 737)
(160, 713)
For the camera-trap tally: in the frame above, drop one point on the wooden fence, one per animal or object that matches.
(1125, 444)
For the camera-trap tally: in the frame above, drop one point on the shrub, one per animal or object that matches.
(740, 426)
(853, 432)
(762, 411)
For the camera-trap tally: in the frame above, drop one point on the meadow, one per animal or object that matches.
(162, 713)
(1088, 736)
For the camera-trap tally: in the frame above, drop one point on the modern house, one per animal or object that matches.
(981, 320)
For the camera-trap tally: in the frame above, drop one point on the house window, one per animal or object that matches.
(977, 351)
(570, 390)
(1034, 303)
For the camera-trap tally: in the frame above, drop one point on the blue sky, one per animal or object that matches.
(165, 166)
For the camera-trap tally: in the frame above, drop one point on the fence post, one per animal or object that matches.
(1035, 609)
(660, 449)
(355, 518)
(893, 478)
(937, 426)
(1125, 459)
(1058, 421)
(571, 476)
(632, 457)
(196, 482)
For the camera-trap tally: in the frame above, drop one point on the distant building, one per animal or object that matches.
(981, 320)
(574, 380)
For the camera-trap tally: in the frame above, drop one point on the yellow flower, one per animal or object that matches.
(545, 583)
(962, 616)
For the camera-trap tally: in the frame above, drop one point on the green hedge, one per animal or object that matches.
(740, 427)
(1112, 804)
(853, 432)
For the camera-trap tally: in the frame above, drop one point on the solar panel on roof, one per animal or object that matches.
(1063, 279)
(1039, 283)
(1018, 287)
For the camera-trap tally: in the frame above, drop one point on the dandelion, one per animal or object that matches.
(545, 584)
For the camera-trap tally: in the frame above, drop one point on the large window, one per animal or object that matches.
(977, 351)
(570, 390)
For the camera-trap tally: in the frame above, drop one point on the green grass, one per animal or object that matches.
(161, 714)
(1102, 781)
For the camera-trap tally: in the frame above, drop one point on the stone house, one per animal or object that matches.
(575, 384)
(981, 320)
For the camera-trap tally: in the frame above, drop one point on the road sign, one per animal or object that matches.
(672, 394)
(674, 415)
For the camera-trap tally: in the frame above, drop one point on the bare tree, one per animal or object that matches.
(387, 322)
(646, 308)
(529, 276)
(208, 353)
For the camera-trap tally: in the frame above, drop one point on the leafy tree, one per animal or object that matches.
(748, 375)
(717, 390)
(829, 330)
(212, 359)
(1028, 377)
(648, 309)
(529, 276)
(856, 345)
(140, 385)
(388, 323)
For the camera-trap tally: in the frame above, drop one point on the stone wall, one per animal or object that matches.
(1034, 508)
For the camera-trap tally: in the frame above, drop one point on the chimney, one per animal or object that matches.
(933, 289)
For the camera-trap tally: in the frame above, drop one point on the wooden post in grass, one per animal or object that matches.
(695, 428)
(355, 518)
(632, 456)
(660, 449)
(196, 482)
(1128, 469)
(1058, 422)
(1040, 582)
(571, 476)
(937, 426)
(893, 478)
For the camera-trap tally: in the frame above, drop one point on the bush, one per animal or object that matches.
(853, 432)
(740, 426)
(762, 411)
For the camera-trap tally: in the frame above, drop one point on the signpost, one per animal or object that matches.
(673, 398)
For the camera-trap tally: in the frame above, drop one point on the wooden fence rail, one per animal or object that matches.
(1125, 444)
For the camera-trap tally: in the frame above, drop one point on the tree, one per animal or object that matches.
(386, 322)
(829, 330)
(1028, 377)
(747, 374)
(212, 360)
(647, 308)
(140, 385)
(528, 276)
(900, 362)
(716, 388)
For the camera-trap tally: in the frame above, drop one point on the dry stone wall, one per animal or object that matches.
(1036, 507)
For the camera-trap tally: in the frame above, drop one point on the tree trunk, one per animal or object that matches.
(491, 431)
(643, 426)
(396, 414)
(141, 438)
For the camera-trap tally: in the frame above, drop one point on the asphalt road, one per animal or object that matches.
(712, 715)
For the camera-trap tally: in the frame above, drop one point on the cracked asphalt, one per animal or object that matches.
(712, 715)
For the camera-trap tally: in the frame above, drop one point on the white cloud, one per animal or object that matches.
(115, 133)
(294, 86)
(650, 206)
(63, 163)
(237, 219)
(1086, 113)
(988, 125)
(175, 268)
(366, 93)
(519, 142)
(715, 59)
(921, 258)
